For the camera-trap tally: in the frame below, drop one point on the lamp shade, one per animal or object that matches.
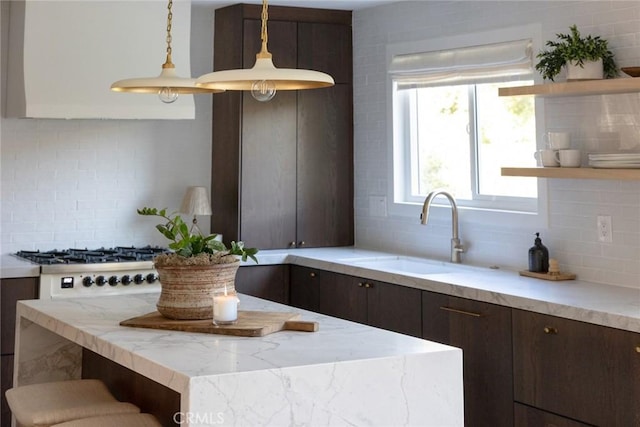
(264, 79)
(167, 78)
(196, 202)
(283, 78)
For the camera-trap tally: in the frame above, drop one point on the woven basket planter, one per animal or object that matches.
(187, 290)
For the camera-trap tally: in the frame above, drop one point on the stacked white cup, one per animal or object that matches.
(558, 152)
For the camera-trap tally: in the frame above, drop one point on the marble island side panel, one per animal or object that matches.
(345, 374)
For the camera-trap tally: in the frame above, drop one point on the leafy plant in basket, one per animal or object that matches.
(573, 48)
(198, 267)
(186, 244)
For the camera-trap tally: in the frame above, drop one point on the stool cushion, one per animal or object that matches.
(51, 403)
(120, 420)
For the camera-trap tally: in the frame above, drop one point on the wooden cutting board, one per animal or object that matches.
(249, 324)
(547, 276)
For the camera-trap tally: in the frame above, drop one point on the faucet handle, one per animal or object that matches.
(456, 249)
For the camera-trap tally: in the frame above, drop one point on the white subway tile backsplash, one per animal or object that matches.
(597, 124)
(79, 182)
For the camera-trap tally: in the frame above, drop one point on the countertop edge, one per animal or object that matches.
(12, 267)
(600, 304)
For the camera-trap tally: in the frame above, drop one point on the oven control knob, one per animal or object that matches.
(151, 278)
(126, 280)
(87, 281)
(101, 281)
(113, 281)
(138, 279)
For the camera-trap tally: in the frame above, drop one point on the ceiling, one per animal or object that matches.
(322, 4)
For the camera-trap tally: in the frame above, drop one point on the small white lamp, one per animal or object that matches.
(196, 202)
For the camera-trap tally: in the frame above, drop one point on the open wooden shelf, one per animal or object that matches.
(574, 173)
(575, 88)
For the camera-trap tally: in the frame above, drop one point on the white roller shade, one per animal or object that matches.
(467, 65)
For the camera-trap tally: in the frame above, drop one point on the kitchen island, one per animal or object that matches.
(344, 374)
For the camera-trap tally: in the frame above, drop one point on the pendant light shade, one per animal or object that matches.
(168, 85)
(283, 78)
(168, 78)
(264, 79)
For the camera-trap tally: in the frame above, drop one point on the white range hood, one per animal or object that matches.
(64, 55)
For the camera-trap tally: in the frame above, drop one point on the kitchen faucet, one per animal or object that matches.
(456, 247)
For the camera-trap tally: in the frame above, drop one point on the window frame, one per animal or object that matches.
(498, 213)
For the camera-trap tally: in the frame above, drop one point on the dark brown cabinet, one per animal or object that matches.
(526, 416)
(304, 287)
(11, 291)
(283, 170)
(483, 332)
(269, 282)
(344, 297)
(392, 307)
(6, 377)
(383, 305)
(582, 371)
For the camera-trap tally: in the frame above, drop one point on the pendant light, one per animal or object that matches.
(264, 79)
(168, 85)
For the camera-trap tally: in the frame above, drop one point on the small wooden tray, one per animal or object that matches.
(547, 276)
(249, 324)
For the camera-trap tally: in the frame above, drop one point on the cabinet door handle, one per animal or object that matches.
(312, 274)
(302, 243)
(360, 284)
(368, 285)
(292, 244)
(638, 349)
(455, 310)
(550, 330)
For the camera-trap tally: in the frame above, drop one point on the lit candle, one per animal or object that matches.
(225, 309)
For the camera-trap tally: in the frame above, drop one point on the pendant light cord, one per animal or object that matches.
(264, 36)
(168, 63)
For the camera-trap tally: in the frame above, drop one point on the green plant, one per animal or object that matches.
(573, 47)
(187, 244)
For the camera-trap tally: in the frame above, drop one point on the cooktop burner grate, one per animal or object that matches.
(92, 256)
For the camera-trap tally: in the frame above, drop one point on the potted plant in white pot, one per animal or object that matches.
(585, 58)
(197, 266)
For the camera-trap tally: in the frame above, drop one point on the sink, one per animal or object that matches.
(403, 265)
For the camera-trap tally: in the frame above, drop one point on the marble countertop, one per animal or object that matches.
(605, 305)
(345, 373)
(95, 323)
(12, 267)
(600, 304)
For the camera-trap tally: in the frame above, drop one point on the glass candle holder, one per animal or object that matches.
(225, 307)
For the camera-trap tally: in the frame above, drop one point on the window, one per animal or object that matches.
(452, 131)
(459, 137)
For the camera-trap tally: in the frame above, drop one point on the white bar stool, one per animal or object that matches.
(119, 420)
(46, 404)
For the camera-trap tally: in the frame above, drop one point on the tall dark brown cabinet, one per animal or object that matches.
(282, 171)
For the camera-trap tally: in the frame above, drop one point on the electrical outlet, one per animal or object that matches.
(605, 230)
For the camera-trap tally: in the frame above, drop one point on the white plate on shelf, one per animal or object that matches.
(614, 165)
(615, 157)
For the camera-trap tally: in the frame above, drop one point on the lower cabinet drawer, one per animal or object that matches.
(575, 369)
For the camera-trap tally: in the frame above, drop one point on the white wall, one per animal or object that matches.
(596, 123)
(77, 183)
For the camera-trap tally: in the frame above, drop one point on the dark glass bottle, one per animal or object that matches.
(538, 257)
